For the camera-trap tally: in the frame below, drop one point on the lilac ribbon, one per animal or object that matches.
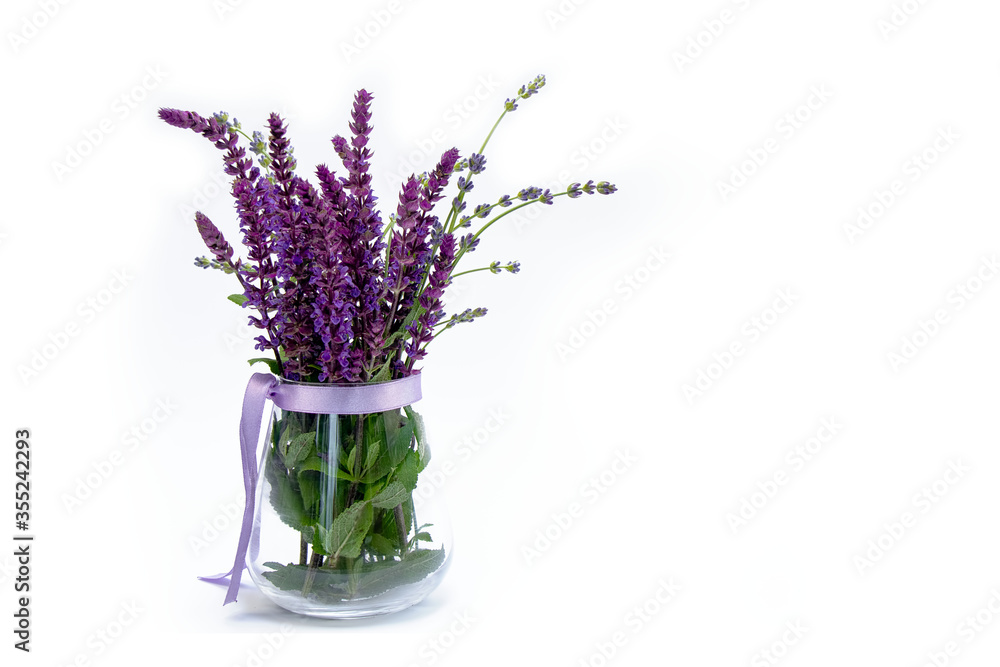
(331, 399)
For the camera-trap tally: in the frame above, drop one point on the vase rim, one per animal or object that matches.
(304, 383)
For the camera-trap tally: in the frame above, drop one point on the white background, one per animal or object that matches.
(582, 368)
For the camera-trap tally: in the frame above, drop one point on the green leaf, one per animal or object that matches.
(317, 538)
(423, 449)
(374, 432)
(408, 513)
(287, 577)
(271, 363)
(343, 474)
(357, 580)
(291, 426)
(372, 455)
(379, 471)
(327, 585)
(309, 488)
(406, 474)
(383, 546)
(314, 463)
(393, 337)
(399, 441)
(414, 567)
(392, 495)
(300, 449)
(284, 497)
(349, 530)
(238, 299)
(384, 373)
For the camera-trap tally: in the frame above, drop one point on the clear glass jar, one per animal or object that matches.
(336, 533)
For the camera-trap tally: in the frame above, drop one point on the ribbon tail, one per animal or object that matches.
(258, 390)
(217, 578)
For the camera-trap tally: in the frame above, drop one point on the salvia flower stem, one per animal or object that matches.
(510, 105)
(340, 296)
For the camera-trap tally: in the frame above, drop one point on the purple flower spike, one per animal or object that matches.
(258, 220)
(437, 180)
(340, 146)
(430, 301)
(213, 238)
(279, 150)
(211, 128)
(356, 156)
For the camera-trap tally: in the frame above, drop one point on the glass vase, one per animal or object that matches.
(336, 533)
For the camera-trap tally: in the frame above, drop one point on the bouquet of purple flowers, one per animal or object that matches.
(341, 296)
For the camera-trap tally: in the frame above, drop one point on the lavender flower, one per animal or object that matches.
(255, 204)
(213, 238)
(223, 118)
(364, 235)
(333, 309)
(294, 246)
(604, 188)
(259, 147)
(206, 263)
(334, 300)
(468, 243)
(408, 243)
(401, 245)
(477, 163)
(467, 315)
(432, 310)
(211, 128)
(438, 179)
(529, 193)
(525, 92)
(356, 155)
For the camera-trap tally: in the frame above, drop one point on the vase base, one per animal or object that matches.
(397, 599)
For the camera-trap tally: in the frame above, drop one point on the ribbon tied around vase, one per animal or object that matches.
(331, 399)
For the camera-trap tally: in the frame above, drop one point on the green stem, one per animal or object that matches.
(249, 138)
(359, 431)
(490, 222)
(385, 231)
(400, 528)
(314, 564)
(490, 135)
(452, 218)
(456, 275)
